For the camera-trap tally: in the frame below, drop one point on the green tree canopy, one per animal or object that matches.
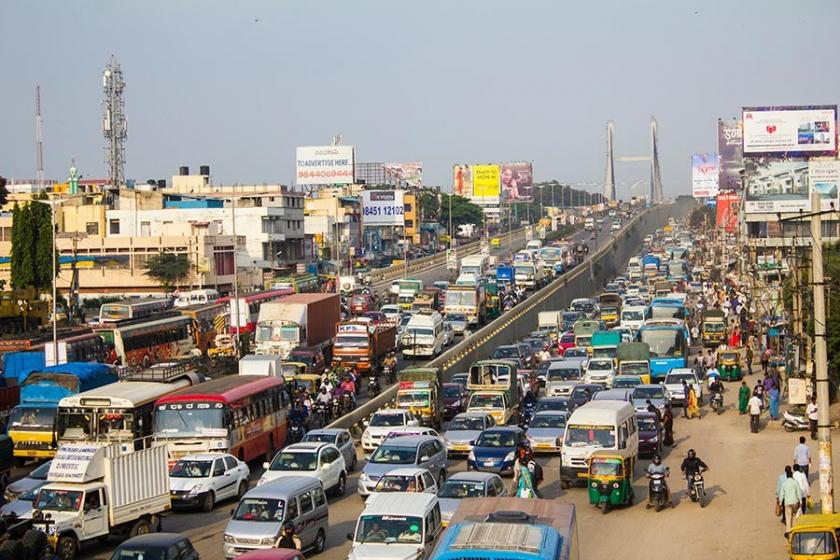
(167, 268)
(463, 211)
(32, 246)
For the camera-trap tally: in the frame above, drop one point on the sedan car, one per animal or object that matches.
(656, 394)
(495, 449)
(650, 434)
(426, 452)
(202, 479)
(392, 312)
(458, 322)
(455, 398)
(467, 485)
(546, 430)
(317, 459)
(160, 546)
(22, 505)
(35, 478)
(464, 429)
(561, 404)
(339, 437)
(582, 393)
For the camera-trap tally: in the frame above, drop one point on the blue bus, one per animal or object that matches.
(32, 423)
(668, 340)
(668, 308)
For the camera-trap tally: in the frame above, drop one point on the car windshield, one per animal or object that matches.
(387, 420)
(496, 439)
(632, 316)
(394, 455)
(548, 421)
(564, 374)
(396, 483)
(139, 553)
(389, 529)
(319, 437)
(711, 326)
(567, 339)
(506, 352)
(456, 317)
(59, 500)
(30, 494)
(259, 509)
(575, 353)
(599, 365)
(467, 424)
(626, 383)
(294, 461)
(677, 378)
(648, 393)
(454, 488)
(486, 401)
(647, 424)
(554, 404)
(594, 436)
(451, 391)
(640, 368)
(190, 469)
(41, 472)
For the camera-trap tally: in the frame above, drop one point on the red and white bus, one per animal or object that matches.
(88, 347)
(153, 342)
(244, 415)
(249, 308)
(136, 309)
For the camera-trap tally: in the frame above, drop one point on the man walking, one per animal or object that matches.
(804, 485)
(811, 411)
(755, 406)
(790, 498)
(802, 457)
(749, 358)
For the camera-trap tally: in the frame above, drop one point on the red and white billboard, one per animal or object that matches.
(727, 211)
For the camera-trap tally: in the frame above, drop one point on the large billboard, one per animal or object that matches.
(727, 211)
(324, 165)
(462, 180)
(517, 182)
(824, 178)
(730, 149)
(485, 182)
(704, 175)
(383, 208)
(409, 174)
(790, 131)
(775, 186)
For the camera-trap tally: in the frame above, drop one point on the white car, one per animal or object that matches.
(410, 479)
(600, 370)
(317, 459)
(673, 384)
(392, 312)
(383, 423)
(202, 479)
(448, 334)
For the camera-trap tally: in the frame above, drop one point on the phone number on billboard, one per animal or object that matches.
(384, 210)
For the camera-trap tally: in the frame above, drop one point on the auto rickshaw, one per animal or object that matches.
(310, 382)
(610, 479)
(729, 364)
(814, 536)
(290, 370)
(495, 242)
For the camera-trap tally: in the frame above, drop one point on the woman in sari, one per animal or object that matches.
(693, 408)
(773, 394)
(743, 398)
(668, 426)
(522, 478)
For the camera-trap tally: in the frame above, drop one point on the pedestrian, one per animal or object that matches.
(811, 411)
(802, 456)
(692, 406)
(802, 479)
(743, 398)
(779, 508)
(767, 384)
(653, 410)
(773, 395)
(685, 398)
(790, 498)
(755, 406)
(765, 360)
(668, 426)
(749, 358)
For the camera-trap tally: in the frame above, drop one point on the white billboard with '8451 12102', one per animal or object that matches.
(383, 208)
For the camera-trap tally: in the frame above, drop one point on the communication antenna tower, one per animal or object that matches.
(114, 123)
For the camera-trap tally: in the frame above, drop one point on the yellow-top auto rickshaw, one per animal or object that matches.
(310, 382)
(729, 364)
(290, 370)
(610, 479)
(814, 536)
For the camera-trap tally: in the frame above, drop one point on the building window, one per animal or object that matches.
(407, 208)
(145, 229)
(92, 228)
(409, 223)
(114, 227)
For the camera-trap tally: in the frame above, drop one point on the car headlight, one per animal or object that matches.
(268, 541)
(366, 435)
(229, 539)
(364, 477)
(471, 456)
(509, 457)
(195, 489)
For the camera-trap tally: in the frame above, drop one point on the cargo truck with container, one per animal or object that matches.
(418, 390)
(714, 328)
(549, 322)
(610, 305)
(474, 265)
(94, 491)
(634, 359)
(363, 344)
(470, 301)
(529, 274)
(306, 320)
(494, 389)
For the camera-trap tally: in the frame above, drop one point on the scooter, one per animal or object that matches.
(698, 489)
(296, 430)
(373, 386)
(717, 402)
(793, 422)
(658, 491)
(388, 372)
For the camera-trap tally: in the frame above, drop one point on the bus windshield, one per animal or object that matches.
(666, 312)
(664, 343)
(176, 420)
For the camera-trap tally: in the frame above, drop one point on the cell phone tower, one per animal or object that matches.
(114, 123)
(39, 140)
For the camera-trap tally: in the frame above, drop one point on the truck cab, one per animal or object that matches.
(493, 387)
(419, 392)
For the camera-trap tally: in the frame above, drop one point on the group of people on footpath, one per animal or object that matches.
(793, 488)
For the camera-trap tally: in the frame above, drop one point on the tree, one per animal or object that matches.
(4, 192)
(24, 244)
(701, 214)
(168, 268)
(463, 211)
(429, 204)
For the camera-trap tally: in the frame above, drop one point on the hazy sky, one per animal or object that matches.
(237, 85)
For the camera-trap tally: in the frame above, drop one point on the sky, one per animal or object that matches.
(237, 85)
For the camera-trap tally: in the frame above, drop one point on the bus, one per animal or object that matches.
(147, 343)
(208, 320)
(249, 308)
(31, 424)
(122, 412)
(87, 347)
(300, 283)
(244, 415)
(196, 297)
(132, 309)
(668, 340)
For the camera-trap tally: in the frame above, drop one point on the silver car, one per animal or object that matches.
(22, 505)
(339, 437)
(458, 322)
(18, 487)
(463, 429)
(427, 452)
(546, 430)
(472, 484)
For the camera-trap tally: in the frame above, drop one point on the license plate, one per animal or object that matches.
(544, 446)
(460, 448)
(489, 464)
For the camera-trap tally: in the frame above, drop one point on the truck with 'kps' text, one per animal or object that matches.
(98, 490)
(363, 344)
(307, 320)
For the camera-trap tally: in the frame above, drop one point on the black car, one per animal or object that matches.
(455, 397)
(564, 404)
(519, 352)
(582, 393)
(157, 546)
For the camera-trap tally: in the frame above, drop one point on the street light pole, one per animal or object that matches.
(236, 350)
(53, 204)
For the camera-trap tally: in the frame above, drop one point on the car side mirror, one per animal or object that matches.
(349, 536)
(266, 465)
(424, 458)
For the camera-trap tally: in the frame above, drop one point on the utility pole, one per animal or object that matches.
(821, 361)
(236, 349)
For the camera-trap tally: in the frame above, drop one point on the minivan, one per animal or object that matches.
(428, 452)
(259, 517)
(397, 525)
(423, 335)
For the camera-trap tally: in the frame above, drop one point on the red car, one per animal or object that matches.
(359, 304)
(567, 340)
(376, 317)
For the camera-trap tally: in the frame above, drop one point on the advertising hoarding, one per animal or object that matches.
(704, 175)
(324, 165)
(485, 181)
(410, 174)
(730, 149)
(777, 186)
(383, 208)
(824, 178)
(462, 180)
(517, 181)
(727, 211)
(792, 131)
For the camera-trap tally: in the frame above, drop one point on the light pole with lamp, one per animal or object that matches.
(53, 203)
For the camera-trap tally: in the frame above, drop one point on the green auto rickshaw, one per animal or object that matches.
(729, 364)
(610, 479)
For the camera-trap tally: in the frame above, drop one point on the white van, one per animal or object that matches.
(396, 525)
(424, 334)
(633, 317)
(597, 425)
(533, 245)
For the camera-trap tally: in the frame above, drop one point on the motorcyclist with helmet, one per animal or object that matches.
(288, 538)
(655, 468)
(692, 465)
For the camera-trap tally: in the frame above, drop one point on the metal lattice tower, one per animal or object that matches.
(114, 123)
(609, 176)
(39, 140)
(655, 175)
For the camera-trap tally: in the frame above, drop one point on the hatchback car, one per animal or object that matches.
(160, 546)
(467, 485)
(656, 394)
(519, 352)
(582, 393)
(359, 304)
(455, 397)
(202, 479)
(495, 449)
(318, 459)
(563, 376)
(392, 312)
(600, 370)
(427, 452)
(382, 423)
(22, 505)
(546, 430)
(673, 383)
(458, 322)
(561, 404)
(566, 342)
(464, 429)
(339, 437)
(650, 434)
(407, 480)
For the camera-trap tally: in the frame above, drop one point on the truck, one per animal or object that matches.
(662, 289)
(589, 224)
(32, 423)
(494, 388)
(713, 327)
(418, 390)
(297, 320)
(550, 321)
(363, 344)
(605, 344)
(474, 265)
(610, 305)
(528, 274)
(429, 298)
(470, 301)
(408, 290)
(584, 329)
(96, 490)
(634, 359)
(267, 365)
(650, 265)
(504, 276)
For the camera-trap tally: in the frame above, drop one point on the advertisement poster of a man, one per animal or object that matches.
(517, 182)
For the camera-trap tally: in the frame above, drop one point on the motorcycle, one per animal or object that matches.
(335, 408)
(389, 374)
(373, 387)
(793, 421)
(658, 491)
(526, 413)
(347, 402)
(717, 402)
(296, 430)
(698, 489)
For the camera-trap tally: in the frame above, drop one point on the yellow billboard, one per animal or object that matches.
(485, 179)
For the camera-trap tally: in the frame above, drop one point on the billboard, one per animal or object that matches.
(777, 186)
(704, 175)
(485, 182)
(727, 211)
(383, 208)
(790, 131)
(517, 182)
(324, 165)
(462, 180)
(730, 149)
(410, 174)
(824, 178)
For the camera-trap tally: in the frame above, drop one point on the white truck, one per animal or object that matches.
(550, 321)
(474, 265)
(95, 490)
(267, 365)
(528, 274)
